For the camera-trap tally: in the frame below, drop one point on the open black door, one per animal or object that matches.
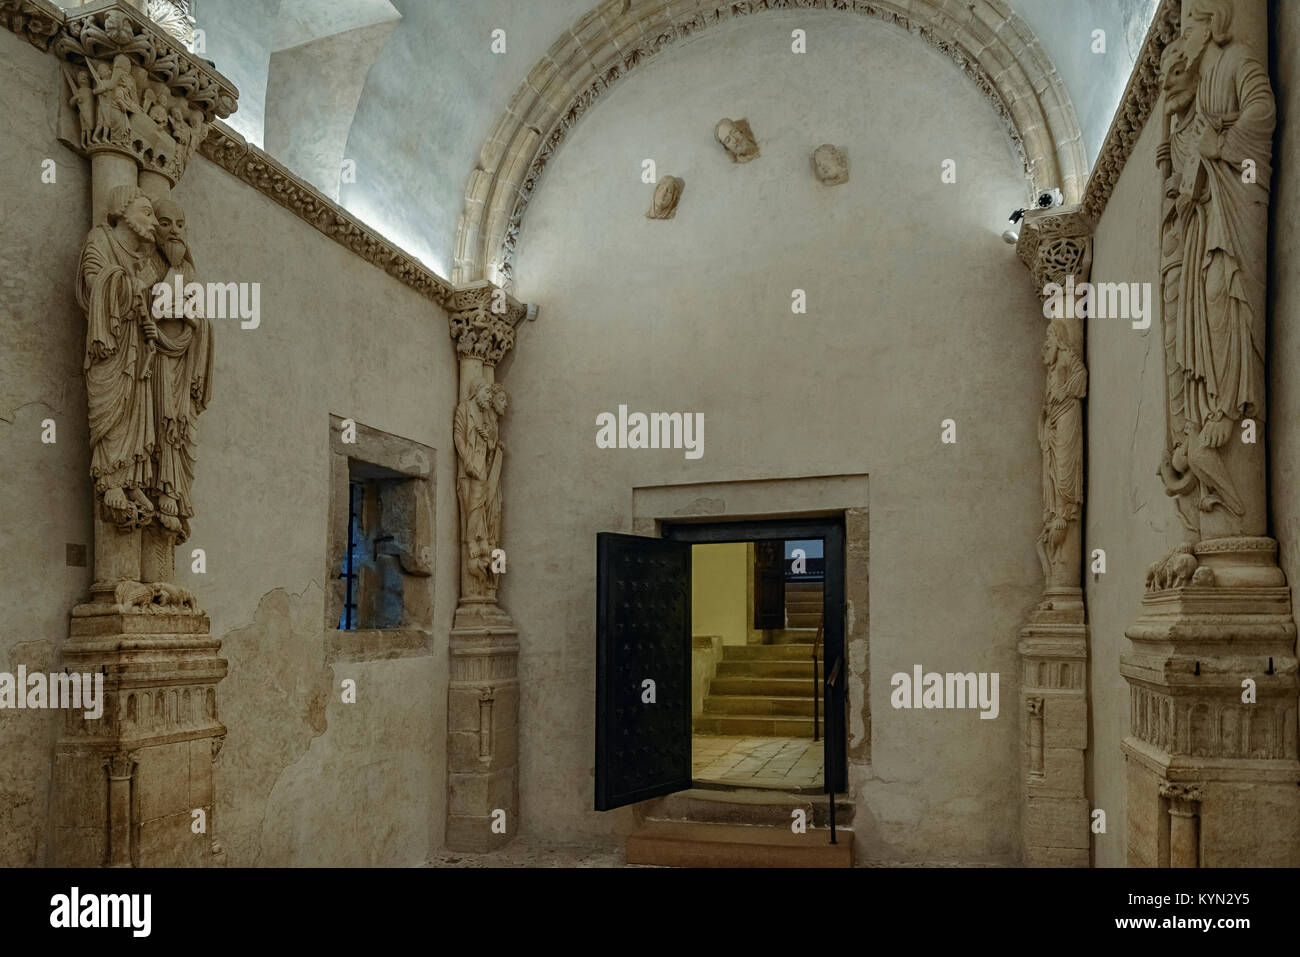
(643, 668)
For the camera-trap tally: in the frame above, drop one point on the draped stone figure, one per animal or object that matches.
(118, 269)
(1215, 158)
(478, 485)
(1060, 439)
(181, 383)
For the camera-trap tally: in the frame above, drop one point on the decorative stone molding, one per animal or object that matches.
(36, 21)
(1135, 107)
(987, 41)
(1055, 244)
(258, 169)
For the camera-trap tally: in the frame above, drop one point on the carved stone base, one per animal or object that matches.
(126, 784)
(1054, 734)
(483, 730)
(1212, 778)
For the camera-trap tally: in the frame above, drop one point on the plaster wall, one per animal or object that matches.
(337, 335)
(917, 312)
(720, 592)
(1127, 513)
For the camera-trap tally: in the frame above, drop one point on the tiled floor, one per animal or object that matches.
(757, 762)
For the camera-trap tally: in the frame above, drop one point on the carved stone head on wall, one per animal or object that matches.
(830, 165)
(668, 192)
(737, 139)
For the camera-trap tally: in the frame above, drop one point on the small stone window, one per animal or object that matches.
(380, 544)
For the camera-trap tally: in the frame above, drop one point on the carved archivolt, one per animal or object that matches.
(989, 43)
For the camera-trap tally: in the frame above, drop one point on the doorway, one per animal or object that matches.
(726, 678)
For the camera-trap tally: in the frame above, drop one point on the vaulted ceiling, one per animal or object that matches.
(409, 91)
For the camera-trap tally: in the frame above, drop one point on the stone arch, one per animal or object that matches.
(984, 38)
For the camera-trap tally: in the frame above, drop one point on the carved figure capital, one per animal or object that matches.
(483, 321)
(121, 765)
(134, 88)
(1186, 794)
(1034, 707)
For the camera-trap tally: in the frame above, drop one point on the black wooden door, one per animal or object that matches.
(769, 584)
(643, 668)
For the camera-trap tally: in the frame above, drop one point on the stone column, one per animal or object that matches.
(1212, 674)
(127, 784)
(1056, 247)
(483, 695)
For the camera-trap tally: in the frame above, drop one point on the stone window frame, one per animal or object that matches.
(381, 455)
(815, 496)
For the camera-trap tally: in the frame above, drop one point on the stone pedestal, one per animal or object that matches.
(1054, 728)
(1212, 775)
(483, 730)
(126, 784)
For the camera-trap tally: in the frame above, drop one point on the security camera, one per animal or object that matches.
(1017, 215)
(1050, 197)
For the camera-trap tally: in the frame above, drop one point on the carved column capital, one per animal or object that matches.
(36, 21)
(1182, 797)
(1055, 244)
(1034, 706)
(134, 89)
(484, 318)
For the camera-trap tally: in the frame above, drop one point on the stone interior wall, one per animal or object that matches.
(1126, 512)
(303, 778)
(917, 312)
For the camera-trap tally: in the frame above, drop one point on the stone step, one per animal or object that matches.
(787, 651)
(750, 806)
(781, 687)
(767, 726)
(766, 668)
(690, 844)
(793, 635)
(759, 704)
(803, 588)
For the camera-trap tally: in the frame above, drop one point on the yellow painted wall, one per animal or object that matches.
(720, 591)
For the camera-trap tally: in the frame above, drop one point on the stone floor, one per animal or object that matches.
(522, 853)
(757, 762)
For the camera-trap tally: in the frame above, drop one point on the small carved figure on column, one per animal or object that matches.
(478, 486)
(1060, 438)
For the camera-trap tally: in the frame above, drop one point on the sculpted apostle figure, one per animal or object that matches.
(1060, 439)
(181, 379)
(1213, 254)
(118, 269)
(478, 486)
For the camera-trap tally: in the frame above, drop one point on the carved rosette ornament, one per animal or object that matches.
(1213, 672)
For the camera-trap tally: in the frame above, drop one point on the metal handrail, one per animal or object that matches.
(831, 772)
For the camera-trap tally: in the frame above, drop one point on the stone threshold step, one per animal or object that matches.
(688, 844)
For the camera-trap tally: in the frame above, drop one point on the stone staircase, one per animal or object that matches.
(767, 690)
(803, 604)
(740, 828)
(764, 690)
